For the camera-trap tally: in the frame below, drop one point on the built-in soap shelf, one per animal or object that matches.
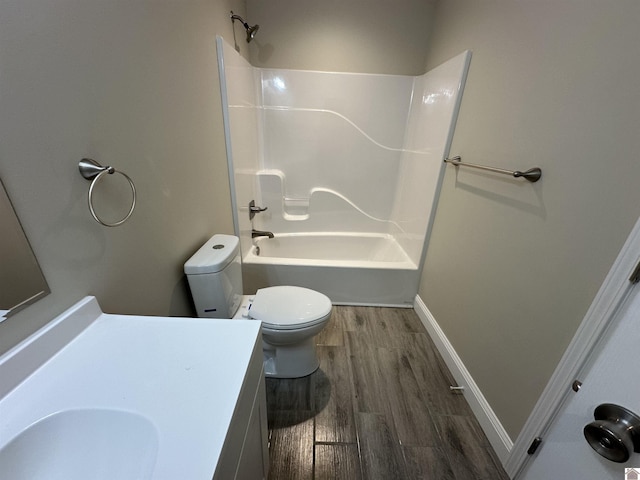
(295, 208)
(271, 183)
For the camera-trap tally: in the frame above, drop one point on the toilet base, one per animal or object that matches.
(290, 361)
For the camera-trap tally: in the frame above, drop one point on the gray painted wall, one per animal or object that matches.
(512, 267)
(343, 36)
(134, 85)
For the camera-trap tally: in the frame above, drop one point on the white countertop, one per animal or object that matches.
(182, 374)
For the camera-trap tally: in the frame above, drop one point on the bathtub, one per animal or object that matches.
(350, 268)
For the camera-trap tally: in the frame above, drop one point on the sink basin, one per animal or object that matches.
(100, 444)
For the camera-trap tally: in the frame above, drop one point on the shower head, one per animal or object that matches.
(251, 31)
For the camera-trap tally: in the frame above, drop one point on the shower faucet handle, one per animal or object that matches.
(253, 209)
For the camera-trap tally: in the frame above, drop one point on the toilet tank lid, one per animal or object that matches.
(214, 255)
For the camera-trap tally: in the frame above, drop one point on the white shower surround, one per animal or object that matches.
(353, 155)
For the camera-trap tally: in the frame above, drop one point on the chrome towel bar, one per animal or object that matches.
(533, 174)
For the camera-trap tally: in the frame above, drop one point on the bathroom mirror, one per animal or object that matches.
(21, 280)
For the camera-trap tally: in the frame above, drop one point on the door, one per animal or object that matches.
(611, 377)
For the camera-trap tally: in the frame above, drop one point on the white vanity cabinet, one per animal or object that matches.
(245, 454)
(133, 397)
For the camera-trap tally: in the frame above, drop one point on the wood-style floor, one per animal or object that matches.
(379, 407)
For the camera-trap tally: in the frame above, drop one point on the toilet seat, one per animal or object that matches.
(289, 308)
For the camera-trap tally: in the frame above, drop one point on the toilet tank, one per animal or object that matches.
(214, 273)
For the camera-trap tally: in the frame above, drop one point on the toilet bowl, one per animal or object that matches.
(290, 316)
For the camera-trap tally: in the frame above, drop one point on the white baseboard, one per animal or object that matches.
(493, 429)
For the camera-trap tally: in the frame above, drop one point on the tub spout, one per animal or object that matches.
(259, 233)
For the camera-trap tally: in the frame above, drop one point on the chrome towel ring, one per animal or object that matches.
(92, 170)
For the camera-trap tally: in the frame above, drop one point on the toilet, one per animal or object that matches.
(290, 316)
